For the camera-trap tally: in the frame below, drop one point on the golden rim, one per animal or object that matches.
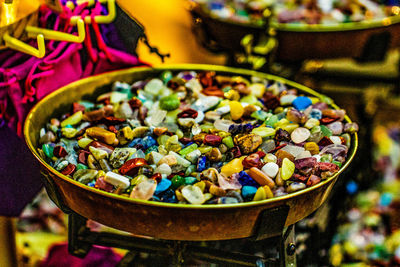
(302, 27)
(183, 67)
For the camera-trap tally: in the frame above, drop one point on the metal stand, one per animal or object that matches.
(179, 253)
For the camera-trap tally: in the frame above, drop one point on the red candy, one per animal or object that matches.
(103, 185)
(82, 156)
(70, 169)
(131, 167)
(252, 160)
(188, 113)
(59, 152)
(325, 141)
(77, 107)
(135, 103)
(212, 140)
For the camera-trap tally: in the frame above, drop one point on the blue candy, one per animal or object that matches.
(386, 199)
(316, 114)
(245, 179)
(302, 102)
(227, 200)
(163, 185)
(168, 196)
(201, 163)
(248, 192)
(135, 142)
(148, 141)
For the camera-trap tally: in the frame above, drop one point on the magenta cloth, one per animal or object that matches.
(58, 256)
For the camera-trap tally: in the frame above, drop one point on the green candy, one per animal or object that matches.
(338, 163)
(326, 158)
(166, 76)
(188, 149)
(169, 103)
(228, 141)
(87, 104)
(177, 181)
(190, 180)
(271, 121)
(326, 131)
(260, 115)
(81, 166)
(48, 150)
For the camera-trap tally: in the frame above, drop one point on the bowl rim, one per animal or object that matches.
(175, 68)
(313, 28)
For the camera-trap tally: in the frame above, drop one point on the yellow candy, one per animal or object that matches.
(232, 95)
(290, 127)
(84, 142)
(281, 123)
(268, 192)
(179, 196)
(201, 185)
(69, 132)
(263, 192)
(232, 167)
(128, 133)
(311, 123)
(98, 154)
(288, 168)
(312, 147)
(100, 173)
(73, 119)
(101, 135)
(237, 110)
(257, 89)
(264, 131)
(260, 194)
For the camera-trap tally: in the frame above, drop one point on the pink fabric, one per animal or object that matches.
(58, 256)
(25, 79)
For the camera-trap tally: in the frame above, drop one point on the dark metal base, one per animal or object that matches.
(182, 253)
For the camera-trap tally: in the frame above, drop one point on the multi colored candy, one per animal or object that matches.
(199, 138)
(305, 11)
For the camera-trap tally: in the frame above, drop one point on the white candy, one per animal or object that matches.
(193, 194)
(304, 154)
(270, 169)
(164, 169)
(336, 139)
(117, 180)
(300, 135)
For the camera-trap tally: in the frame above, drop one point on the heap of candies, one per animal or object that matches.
(305, 11)
(199, 138)
(372, 231)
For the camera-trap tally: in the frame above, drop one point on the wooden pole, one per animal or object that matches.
(8, 253)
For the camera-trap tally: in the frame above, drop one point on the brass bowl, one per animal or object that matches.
(298, 42)
(165, 220)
